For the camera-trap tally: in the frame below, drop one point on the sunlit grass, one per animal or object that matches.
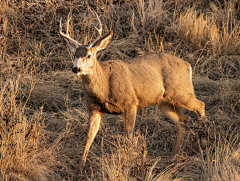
(43, 115)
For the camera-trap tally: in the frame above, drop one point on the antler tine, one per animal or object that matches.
(68, 20)
(67, 34)
(100, 24)
(99, 31)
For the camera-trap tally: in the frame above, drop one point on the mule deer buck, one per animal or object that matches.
(124, 86)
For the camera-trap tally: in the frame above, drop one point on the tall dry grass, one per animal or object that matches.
(213, 34)
(43, 114)
(24, 154)
(218, 30)
(222, 158)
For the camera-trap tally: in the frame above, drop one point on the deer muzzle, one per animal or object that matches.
(76, 70)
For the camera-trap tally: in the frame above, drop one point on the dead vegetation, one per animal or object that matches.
(42, 110)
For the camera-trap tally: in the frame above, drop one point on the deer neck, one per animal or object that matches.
(95, 83)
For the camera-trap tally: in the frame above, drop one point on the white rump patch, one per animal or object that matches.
(190, 73)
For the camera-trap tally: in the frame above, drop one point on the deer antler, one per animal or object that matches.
(99, 31)
(67, 34)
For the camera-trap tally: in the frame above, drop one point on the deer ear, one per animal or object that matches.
(103, 41)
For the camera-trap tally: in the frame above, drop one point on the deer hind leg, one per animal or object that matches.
(195, 105)
(182, 117)
(174, 113)
(129, 117)
(94, 123)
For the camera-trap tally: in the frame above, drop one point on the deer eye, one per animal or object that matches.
(89, 56)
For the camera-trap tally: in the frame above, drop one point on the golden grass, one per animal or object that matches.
(223, 157)
(44, 116)
(217, 30)
(24, 154)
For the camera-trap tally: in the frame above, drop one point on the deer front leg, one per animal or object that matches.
(129, 117)
(94, 123)
(174, 113)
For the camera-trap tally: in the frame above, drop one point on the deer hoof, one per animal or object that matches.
(202, 121)
(81, 165)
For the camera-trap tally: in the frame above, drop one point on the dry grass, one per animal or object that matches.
(24, 154)
(216, 30)
(44, 121)
(222, 158)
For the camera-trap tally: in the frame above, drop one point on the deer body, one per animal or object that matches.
(124, 86)
(118, 84)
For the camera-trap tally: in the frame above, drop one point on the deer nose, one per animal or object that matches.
(75, 69)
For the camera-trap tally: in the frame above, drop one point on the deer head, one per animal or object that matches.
(85, 55)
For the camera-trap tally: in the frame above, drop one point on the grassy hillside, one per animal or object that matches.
(43, 116)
